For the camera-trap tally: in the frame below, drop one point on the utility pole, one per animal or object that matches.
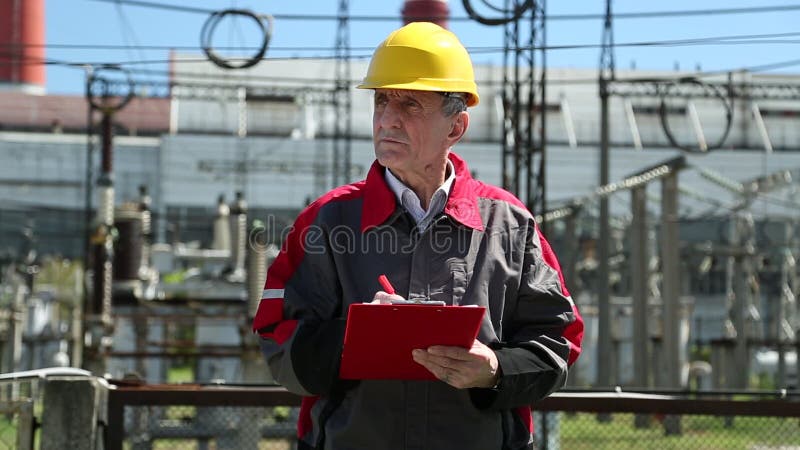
(604, 345)
(342, 103)
(640, 272)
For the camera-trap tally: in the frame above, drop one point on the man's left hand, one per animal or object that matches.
(459, 367)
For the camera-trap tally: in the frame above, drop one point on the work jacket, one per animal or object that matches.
(483, 249)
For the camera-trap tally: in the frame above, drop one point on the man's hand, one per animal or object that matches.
(383, 298)
(459, 367)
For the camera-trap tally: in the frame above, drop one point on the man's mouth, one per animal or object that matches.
(391, 140)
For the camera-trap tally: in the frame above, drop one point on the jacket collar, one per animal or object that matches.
(380, 201)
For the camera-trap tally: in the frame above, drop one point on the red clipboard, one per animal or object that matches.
(378, 339)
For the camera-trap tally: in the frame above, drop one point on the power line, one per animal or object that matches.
(678, 13)
(480, 50)
(187, 9)
(712, 40)
(256, 78)
(729, 40)
(560, 17)
(771, 66)
(169, 47)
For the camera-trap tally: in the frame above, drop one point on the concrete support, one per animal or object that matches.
(604, 366)
(671, 293)
(670, 266)
(572, 247)
(744, 315)
(75, 409)
(639, 277)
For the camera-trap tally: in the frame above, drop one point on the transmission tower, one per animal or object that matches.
(342, 103)
(524, 103)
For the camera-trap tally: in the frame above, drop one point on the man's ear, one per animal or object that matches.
(459, 128)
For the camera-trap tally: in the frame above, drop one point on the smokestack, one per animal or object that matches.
(22, 46)
(435, 11)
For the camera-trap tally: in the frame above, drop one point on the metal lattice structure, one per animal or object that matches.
(523, 145)
(342, 102)
(524, 99)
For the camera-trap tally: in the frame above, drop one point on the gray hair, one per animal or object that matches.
(453, 103)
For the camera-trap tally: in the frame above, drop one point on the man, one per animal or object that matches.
(437, 234)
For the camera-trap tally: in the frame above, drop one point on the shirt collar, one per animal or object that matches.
(400, 189)
(380, 201)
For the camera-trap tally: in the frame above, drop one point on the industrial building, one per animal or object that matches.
(270, 134)
(137, 222)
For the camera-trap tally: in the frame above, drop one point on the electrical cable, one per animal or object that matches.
(663, 114)
(128, 32)
(495, 8)
(471, 49)
(713, 40)
(565, 17)
(214, 19)
(487, 50)
(678, 13)
(738, 39)
(160, 47)
(82, 65)
(188, 9)
(513, 15)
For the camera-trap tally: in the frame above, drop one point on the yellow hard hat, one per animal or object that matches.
(422, 56)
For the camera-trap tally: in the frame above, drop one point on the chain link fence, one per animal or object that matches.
(208, 417)
(17, 423)
(183, 427)
(156, 417)
(221, 428)
(578, 431)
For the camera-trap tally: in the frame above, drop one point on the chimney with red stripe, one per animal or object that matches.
(22, 46)
(436, 11)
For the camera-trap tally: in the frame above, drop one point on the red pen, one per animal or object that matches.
(387, 287)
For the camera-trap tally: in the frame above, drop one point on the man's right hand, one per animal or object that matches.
(384, 298)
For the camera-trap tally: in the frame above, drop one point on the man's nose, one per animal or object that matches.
(390, 116)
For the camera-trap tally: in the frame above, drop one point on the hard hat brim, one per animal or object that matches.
(420, 85)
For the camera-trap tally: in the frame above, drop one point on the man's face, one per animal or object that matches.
(410, 132)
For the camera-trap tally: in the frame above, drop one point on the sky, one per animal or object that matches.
(139, 37)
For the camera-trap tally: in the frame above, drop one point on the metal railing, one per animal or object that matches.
(234, 417)
(188, 416)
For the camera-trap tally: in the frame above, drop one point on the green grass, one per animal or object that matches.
(583, 431)
(8, 433)
(180, 374)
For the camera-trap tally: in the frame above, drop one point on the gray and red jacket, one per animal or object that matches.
(483, 249)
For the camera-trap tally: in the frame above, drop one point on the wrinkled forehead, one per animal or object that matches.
(420, 96)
